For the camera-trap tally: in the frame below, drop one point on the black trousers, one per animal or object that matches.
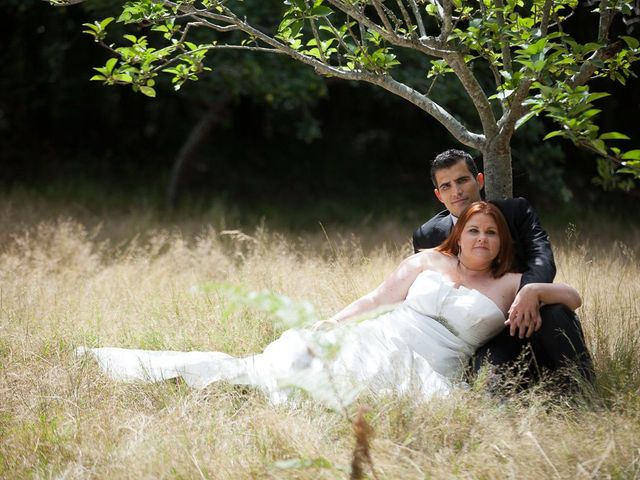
(557, 346)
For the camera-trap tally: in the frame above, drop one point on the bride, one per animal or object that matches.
(442, 304)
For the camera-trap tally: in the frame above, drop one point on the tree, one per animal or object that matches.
(514, 59)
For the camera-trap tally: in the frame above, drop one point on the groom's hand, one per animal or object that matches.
(524, 314)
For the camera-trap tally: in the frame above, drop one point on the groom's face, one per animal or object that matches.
(457, 188)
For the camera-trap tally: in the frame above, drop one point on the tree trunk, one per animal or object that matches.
(196, 137)
(497, 170)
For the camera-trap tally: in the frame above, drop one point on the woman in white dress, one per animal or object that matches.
(441, 304)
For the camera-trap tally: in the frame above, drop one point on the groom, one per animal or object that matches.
(552, 331)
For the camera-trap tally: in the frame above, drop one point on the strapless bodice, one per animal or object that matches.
(468, 314)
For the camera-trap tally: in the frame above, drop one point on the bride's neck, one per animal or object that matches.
(470, 270)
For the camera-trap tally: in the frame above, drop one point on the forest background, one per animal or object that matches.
(276, 140)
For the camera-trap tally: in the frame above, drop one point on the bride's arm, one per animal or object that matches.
(524, 313)
(392, 290)
(555, 293)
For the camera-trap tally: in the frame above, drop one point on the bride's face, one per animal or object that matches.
(479, 239)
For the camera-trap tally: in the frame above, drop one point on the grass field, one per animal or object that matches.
(131, 280)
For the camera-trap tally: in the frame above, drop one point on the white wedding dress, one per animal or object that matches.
(423, 345)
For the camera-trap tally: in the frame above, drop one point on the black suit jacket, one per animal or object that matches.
(532, 251)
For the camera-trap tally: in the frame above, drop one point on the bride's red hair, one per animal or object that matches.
(502, 263)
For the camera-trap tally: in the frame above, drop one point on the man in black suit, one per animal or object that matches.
(552, 331)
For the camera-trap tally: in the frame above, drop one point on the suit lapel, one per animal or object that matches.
(445, 225)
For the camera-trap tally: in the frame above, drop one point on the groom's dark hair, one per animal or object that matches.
(449, 158)
(502, 263)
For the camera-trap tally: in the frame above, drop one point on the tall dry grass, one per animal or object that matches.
(130, 280)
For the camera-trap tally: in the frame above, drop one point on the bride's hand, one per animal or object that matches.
(324, 325)
(524, 314)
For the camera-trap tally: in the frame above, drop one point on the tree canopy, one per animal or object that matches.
(513, 59)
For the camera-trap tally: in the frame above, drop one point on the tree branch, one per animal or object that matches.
(214, 26)
(341, 41)
(223, 46)
(504, 43)
(475, 91)
(314, 30)
(382, 15)
(507, 122)
(457, 129)
(546, 16)
(427, 45)
(319, 66)
(606, 17)
(497, 79)
(198, 13)
(418, 15)
(588, 68)
(446, 13)
(405, 15)
(63, 3)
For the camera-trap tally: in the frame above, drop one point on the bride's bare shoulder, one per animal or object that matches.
(513, 280)
(433, 259)
(513, 277)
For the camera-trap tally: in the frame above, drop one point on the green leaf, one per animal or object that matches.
(526, 63)
(590, 113)
(596, 96)
(148, 91)
(432, 10)
(321, 11)
(94, 28)
(110, 64)
(590, 47)
(125, 17)
(536, 48)
(296, 26)
(634, 170)
(314, 52)
(525, 119)
(299, 4)
(613, 136)
(631, 155)
(555, 133)
(632, 42)
(106, 22)
(98, 77)
(600, 146)
(123, 77)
